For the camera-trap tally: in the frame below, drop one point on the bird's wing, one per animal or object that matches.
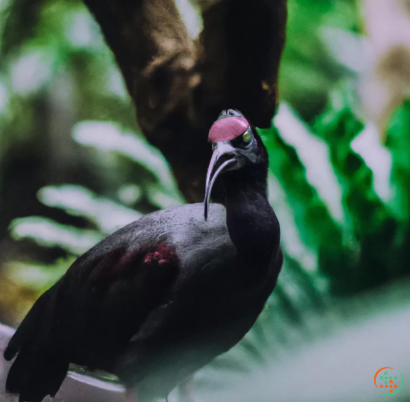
(89, 315)
(116, 295)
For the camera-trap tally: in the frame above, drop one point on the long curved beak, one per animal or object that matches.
(222, 148)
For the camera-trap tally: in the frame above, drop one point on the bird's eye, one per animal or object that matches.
(246, 137)
(243, 141)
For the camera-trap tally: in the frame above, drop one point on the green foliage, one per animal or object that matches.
(106, 136)
(344, 219)
(49, 233)
(104, 215)
(308, 68)
(399, 144)
(37, 276)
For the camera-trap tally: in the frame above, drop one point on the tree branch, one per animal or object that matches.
(179, 87)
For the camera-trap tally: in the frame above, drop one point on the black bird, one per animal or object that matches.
(163, 296)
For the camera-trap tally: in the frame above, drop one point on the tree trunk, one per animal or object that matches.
(179, 86)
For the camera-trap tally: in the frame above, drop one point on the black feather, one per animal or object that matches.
(158, 299)
(39, 368)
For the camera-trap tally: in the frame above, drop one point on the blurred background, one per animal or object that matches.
(74, 168)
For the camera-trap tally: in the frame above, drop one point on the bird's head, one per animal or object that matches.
(235, 146)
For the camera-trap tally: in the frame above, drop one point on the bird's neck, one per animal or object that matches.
(251, 221)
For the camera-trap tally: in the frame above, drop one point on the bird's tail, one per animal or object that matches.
(39, 368)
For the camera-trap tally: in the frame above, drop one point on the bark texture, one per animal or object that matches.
(179, 85)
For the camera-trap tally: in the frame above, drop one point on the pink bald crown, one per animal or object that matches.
(228, 128)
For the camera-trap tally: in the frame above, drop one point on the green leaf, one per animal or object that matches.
(37, 276)
(79, 201)
(49, 233)
(314, 155)
(107, 136)
(371, 227)
(398, 141)
(317, 229)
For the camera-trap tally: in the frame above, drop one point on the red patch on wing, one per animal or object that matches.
(228, 128)
(121, 263)
(162, 255)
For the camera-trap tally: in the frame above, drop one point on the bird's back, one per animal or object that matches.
(210, 307)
